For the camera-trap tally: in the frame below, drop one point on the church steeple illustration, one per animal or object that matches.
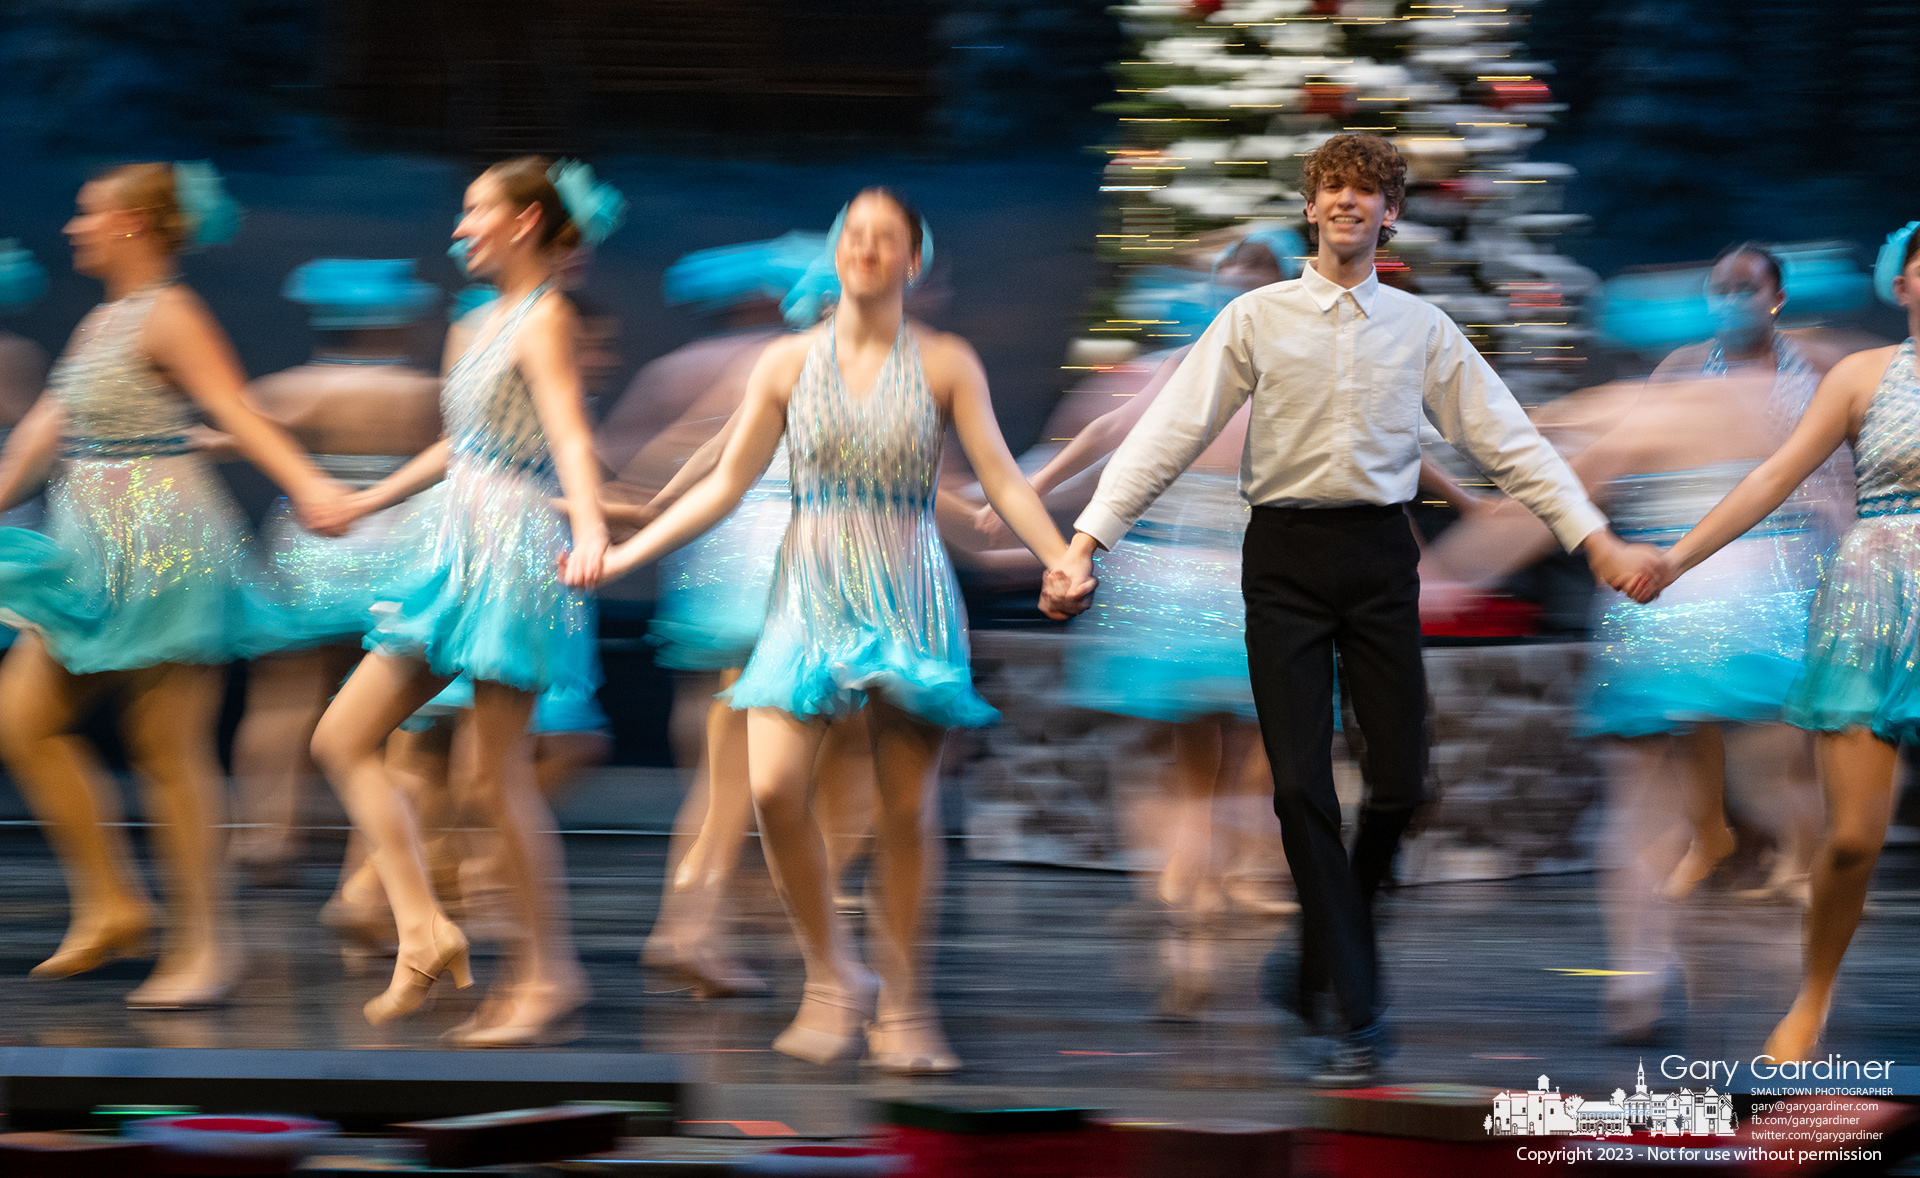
(1640, 1080)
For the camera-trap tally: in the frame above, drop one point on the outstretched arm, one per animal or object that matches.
(757, 427)
(546, 352)
(1834, 414)
(184, 340)
(1006, 488)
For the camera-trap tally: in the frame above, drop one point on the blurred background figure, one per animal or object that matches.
(713, 594)
(23, 363)
(362, 408)
(137, 589)
(1690, 690)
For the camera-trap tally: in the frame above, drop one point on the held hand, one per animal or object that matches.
(1648, 583)
(1067, 588)
(988, 523)
(328, 509)
(585, 566)
(1638, 570)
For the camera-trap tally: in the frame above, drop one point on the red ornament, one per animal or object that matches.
(1206, 8)
(1326, 7)
(1326, 98)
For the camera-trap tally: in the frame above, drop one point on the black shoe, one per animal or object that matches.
(1354, 1062)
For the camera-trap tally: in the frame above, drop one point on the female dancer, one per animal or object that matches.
(1859, 690)
(1690, 688)
(362, 409)
(713, 602)
(136, 588)
(497, 597)
(865, 611)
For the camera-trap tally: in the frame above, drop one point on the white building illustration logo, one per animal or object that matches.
(1543, 1112)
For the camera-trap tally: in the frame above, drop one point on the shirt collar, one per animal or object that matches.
(1326, 292)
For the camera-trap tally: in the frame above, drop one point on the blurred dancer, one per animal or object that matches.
(1338, 369)
(1690, 686)
(498, 597)
(1859, 689)
(23, 367)
(136, 589)
(864, 614)
(713, 602)
(363, 410)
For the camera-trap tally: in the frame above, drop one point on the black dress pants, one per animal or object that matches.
(1320, 581)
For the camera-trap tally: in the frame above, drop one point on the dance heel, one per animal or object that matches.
(1694, 868)
(128, 939)
(843, 1013)
(412, 983)
(910, 1045)
(708, 975)
(548, 1024)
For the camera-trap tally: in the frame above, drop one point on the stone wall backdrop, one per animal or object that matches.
(1515, 791)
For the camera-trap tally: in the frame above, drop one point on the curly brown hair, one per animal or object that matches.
(1365, 161)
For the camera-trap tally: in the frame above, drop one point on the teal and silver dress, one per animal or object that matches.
(864, 598)
(143, 553)
(713, 592)
(483, 598)
(1863, 642)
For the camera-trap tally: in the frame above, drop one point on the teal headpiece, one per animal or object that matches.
(714, 279)
(1282, 241)
(471, 298)
(22, 279)
(1892, 260)
(805, 303)
(596, 208)
(212, 216)
(345, 293)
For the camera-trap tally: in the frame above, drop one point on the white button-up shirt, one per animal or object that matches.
(1338, 379)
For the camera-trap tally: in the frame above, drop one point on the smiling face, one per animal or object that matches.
(1348, 212)
(491, 226)
(98, 225)
(875, 251)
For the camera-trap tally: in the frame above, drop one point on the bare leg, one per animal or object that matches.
(350, 746)
(56, 772)
(1706, 808)
(560, 758)
(908, 856)
(169, 724)
(844, 798)
(271, 763)
(1255, 858)
(1856, 768)
(1772, 764)
(548, 981)
(1190, 877)
(839, 993)
(1645, 836)
(689, 937)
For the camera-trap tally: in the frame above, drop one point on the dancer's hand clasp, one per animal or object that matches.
(328, 509)
(1067, 589)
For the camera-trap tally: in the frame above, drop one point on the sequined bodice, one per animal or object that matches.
(1660, 508)
(1795, 379)
(1886, 457)
(488, 407)
(880, 450)
(117, 404)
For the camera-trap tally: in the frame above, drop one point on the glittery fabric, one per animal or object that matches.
(1795, 381)
(1165, 638)
(328, 584)
(1863, 640)
(864, 598)
(713, 595)
(484, 599)
(141, 560)
(1724, 642)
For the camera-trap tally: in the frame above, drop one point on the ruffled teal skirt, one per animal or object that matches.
(1863, 642)
(1165, 638)
(713, 592)
(1724, 644)
(864, 601)
(327, 585)
(484, 599)
(143, 561)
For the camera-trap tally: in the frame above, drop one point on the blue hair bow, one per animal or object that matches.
(22, 278)
(805, 303)
(715, 279)
(212, 216)
(597, 208)
(1891, 260)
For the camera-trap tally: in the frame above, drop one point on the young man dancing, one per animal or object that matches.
(1339, 369)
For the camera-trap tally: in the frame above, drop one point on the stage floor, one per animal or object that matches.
(1047, 980)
